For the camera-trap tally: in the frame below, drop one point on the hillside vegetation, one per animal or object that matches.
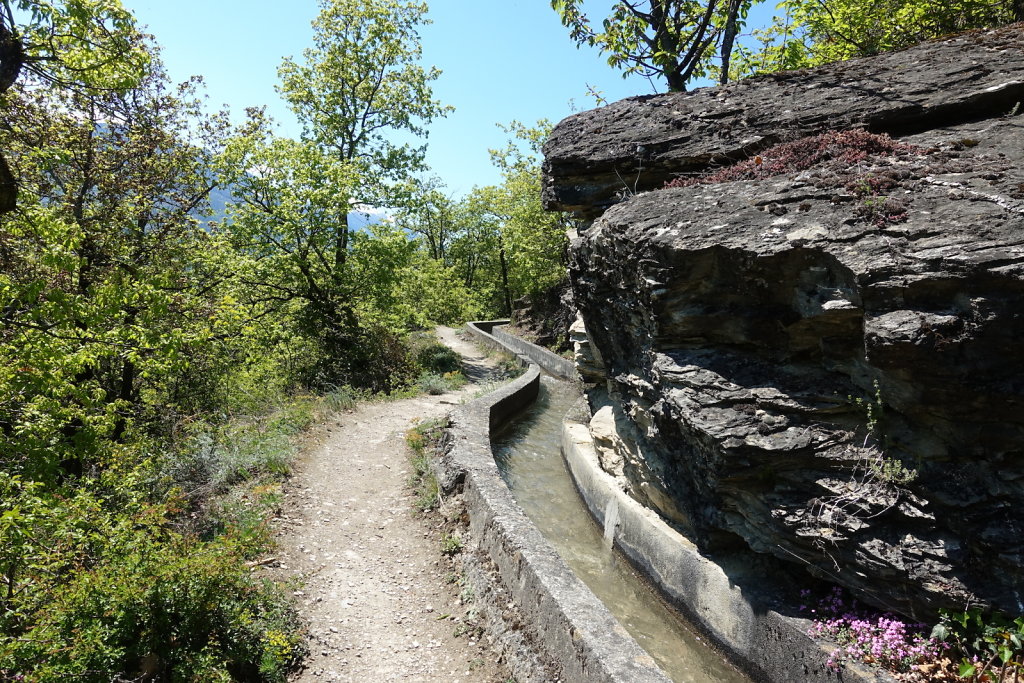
(181, 295)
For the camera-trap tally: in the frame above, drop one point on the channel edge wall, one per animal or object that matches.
(725, 598)
(579, 638)
(768, 645)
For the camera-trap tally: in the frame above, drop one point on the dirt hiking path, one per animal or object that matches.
(375, 588)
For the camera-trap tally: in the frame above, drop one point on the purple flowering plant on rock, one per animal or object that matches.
(879, 639)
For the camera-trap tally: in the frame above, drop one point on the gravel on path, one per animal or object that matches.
(373, 585)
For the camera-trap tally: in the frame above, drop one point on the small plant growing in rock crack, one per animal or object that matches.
(847, 147)
(872, 408)
(888, 471)
(628, 191)
(469, 628)
(422, 439)
(451, 544)
(831, 159)
(876, 207)
(876, 481)
(881, 211)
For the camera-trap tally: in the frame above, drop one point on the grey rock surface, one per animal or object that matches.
(826, 374)
(595, 158)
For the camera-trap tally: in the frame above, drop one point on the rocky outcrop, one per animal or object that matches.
(822, 364)
(595, 158)
(545, 317)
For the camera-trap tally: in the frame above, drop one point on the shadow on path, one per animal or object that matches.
(476, 364)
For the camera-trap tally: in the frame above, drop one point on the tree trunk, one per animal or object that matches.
(126, 394)
(340, 251)
(8, 187)
(504, 278)
(730, 37)
(676, 82)
(12, 59)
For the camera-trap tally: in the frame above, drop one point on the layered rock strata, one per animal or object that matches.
(824, 365)
(594, 158)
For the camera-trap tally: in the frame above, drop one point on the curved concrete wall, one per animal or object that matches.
(491, 333)
(570, 623)
(575, 631)
(552, 362)
(727, 598)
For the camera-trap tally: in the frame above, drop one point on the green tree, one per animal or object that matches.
(534, 238)
(484, 251)
(671, 39)
(90, 44)
(359, 84)
(813, 32)
(284, 224)
(477, 252)
(118, 312)
(432, 215)
(109, 283)
(514, 248)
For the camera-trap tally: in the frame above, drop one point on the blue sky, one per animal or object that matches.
(502, 60)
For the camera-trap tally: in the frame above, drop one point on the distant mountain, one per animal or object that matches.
(220, 197)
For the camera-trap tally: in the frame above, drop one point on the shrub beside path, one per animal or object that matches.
(374, 587)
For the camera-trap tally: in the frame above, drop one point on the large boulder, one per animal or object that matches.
(821, 360)
(595, 158)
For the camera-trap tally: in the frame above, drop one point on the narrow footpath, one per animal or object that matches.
(372, 584)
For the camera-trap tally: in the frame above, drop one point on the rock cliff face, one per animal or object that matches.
(818, 352)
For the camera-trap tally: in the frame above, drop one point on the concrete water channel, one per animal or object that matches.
(547, 535)
(528, 454)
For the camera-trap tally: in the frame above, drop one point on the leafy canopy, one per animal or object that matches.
(672, 39)
(76, 44)
(106, 277)
(362, 82)
(680, 40)
(90, 43)
(813, 32)
(359, 88)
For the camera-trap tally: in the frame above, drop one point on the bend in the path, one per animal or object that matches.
(374, 590)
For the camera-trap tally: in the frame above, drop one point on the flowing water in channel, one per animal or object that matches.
(529, 457)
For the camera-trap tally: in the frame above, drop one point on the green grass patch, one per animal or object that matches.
(423, 440)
